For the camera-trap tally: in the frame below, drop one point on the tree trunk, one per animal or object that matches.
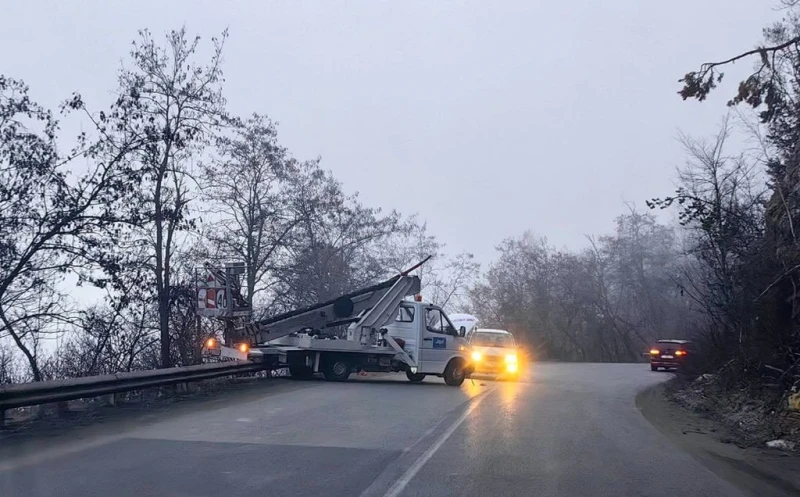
(163, 324)
(162, 280)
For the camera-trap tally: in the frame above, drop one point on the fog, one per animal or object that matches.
(487, 119)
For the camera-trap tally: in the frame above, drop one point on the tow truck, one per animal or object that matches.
(385, 332)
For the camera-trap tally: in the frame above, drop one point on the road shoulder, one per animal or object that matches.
(760, 472)
(54, 436)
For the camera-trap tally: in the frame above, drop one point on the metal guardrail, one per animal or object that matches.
(45, 392)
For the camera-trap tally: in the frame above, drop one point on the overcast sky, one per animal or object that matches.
(487, 118)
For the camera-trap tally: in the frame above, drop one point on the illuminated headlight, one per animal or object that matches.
(511, 358)
(511, 367)
(477, 356)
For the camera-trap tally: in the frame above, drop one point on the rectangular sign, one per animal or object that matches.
(218, 294)
(439, 342)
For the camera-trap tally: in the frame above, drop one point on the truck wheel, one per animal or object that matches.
(454, 373)
(301, 372)
(415, 377)
(653, 368)
(337, 370)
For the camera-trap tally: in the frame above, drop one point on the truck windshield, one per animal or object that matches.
(482, 339)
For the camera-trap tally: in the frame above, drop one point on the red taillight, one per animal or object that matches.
(654, 352)
(680, 352)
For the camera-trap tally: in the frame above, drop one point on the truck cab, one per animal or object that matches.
(431, 340)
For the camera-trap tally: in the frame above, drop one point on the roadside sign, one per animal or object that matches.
(218, 293)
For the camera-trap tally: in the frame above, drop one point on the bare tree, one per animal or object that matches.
(106, 340)
(450, 288)
(445, 280)
(334, 245)
(249, 187)
(8, 366)
(179, 106)
(721, 204)
(52, 222)
(604, 304)
(411, 244)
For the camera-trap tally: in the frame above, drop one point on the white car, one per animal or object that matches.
(494, 352)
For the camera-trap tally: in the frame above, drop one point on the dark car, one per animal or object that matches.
(669, 354)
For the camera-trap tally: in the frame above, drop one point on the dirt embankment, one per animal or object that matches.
(729, 441)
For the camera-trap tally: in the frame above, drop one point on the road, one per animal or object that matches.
(564, 430)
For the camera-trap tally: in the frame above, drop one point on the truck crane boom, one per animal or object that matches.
(342, 310)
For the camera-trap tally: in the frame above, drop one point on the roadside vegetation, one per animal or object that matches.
(743, 209)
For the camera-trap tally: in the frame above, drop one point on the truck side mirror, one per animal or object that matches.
(462, 331)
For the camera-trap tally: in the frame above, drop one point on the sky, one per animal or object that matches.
(487, 118)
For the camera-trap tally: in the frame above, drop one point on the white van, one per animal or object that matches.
(494, 352)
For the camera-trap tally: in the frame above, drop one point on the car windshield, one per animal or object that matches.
(492, 340)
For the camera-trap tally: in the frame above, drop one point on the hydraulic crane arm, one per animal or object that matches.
(346, 309)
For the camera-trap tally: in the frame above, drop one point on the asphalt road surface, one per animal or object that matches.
(564, 430)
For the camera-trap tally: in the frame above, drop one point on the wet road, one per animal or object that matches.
(564, 430)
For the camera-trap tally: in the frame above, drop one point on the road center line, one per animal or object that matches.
(412, 471)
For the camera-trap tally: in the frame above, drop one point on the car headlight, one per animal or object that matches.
(477, 356)
(511, 358)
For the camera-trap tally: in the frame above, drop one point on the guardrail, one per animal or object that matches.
(45, 392)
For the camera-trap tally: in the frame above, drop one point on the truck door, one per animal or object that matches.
(405, 327)
(438, 341)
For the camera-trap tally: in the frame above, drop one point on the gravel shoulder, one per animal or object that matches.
(760, 472)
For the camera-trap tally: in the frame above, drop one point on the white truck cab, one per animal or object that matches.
(429, 338)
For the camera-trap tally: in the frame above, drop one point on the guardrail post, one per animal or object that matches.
(111, 399)
(2, 418)
(62, 409)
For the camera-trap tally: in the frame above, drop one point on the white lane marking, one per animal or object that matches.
(412, 471)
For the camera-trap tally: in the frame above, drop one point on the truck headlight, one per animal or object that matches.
(477, 356)
(511, 358)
